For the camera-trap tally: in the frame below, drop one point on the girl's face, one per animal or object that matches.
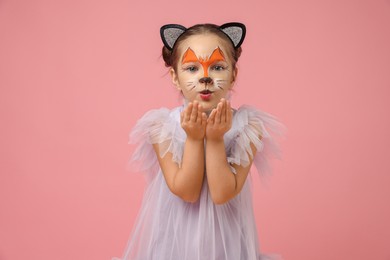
(204, 70)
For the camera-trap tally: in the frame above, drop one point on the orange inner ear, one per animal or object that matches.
(190, 56)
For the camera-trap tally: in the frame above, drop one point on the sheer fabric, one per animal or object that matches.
(168, 227)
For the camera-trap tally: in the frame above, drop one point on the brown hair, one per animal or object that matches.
(171, 57)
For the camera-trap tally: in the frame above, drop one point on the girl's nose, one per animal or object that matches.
(206, 80)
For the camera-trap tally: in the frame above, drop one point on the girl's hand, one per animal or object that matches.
(219, 121)
(193, 121)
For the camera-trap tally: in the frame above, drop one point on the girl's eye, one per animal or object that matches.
(218, 67)
(191, 68)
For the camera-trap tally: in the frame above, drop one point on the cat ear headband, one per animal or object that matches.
(171, 32)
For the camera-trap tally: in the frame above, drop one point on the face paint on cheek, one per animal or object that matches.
(191, 84)
(190, 56)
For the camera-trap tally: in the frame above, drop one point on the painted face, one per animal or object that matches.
(204, 72)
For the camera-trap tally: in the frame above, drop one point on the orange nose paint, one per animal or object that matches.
(190, 56)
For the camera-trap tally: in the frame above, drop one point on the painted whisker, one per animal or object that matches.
(191, 84)
(220, 83)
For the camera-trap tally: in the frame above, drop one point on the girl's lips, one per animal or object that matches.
(205, 96)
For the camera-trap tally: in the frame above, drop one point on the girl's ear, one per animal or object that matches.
(235, 31)
(174, 78)
(235, 72)
(170, 33)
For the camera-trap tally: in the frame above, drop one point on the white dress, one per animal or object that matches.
(168, 228)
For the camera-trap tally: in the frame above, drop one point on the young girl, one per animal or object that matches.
(198, 202)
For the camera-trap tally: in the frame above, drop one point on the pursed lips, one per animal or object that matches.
(205, 94)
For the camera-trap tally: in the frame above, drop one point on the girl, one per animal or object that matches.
(198, 202)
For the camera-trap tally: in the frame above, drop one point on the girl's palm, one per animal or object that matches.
(219, 121)
(193, 121)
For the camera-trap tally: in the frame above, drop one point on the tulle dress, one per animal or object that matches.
(168, 228)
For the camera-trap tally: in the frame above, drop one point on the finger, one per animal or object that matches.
(188, 112)
(229, 113)
(194, 112)
(223, 111)
(227, 110)
(200, 114)
(181, 116)
(218, 113)
(211, 118)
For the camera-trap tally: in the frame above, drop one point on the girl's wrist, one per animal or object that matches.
(195, 139)
(215, 140)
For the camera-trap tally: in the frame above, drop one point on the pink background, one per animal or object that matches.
(76, 75)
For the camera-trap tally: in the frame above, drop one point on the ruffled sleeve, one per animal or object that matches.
(251, 125)
(158, 126)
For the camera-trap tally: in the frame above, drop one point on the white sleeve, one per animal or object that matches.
(251, 125)
(157, 126)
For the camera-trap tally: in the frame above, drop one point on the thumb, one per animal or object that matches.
(204, 118)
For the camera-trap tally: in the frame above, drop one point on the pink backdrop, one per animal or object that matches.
(76, 75)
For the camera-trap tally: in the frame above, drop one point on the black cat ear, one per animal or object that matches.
(235, 31)
(170, 33)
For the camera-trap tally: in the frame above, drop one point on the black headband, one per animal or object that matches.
(171, 32)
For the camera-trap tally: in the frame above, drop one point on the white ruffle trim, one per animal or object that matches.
(162, 126)
(157, 126)
(249, 125)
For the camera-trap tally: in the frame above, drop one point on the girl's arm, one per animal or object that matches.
(186, 181)
(223, 183)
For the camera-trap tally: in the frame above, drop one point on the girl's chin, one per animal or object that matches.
(208, 106)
